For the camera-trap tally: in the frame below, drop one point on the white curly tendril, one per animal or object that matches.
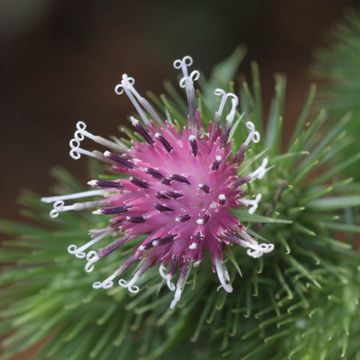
(253, 136)
(130, 285)
(187, 82)
(107, 283)
(79, 252)
(261, 170)
(258, 250)
(127, 85)
(234, 103)
(80, 133)
(253, 203)
(254, 249)
(59, 206)
(223, 276)
(91, 257)
(180, 287)
(166, 277)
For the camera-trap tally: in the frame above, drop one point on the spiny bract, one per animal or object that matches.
(180, 187)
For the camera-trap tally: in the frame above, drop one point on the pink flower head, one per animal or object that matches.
(177, 187)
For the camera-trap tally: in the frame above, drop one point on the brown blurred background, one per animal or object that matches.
(61, 59)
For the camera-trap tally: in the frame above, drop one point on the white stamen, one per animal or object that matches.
(187, 81)
(59, 206)
(230, 117)
(127, 85)
(179, 288)
(84, 194)
(141, 248)
(107, 283)
(76, 151)
(155, 243)
(193, 246)
(91, 257)
(192, 137)
(218, 158)
(222, 197)
(234, 102)
(74, 250)
(130, 285)
(253, 136)
(223, 276)
(253, 203)
(134, 122)
(169, 283)
(177, 296)
(97, 212)
(81, 133)
(178, 219)
(166, 277)
(92, 183)
(200, 221)
(79, 252)
(261, 170)
(257, 250)
(162, 271)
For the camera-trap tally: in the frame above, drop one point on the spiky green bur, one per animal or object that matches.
(288, 306)
(339, 65)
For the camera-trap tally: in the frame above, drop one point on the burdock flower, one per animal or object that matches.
(177, 188)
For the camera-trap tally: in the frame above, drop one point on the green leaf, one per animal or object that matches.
(343, 227)
(300, 123)
(244, 216)
(274, 128)
(334, 203)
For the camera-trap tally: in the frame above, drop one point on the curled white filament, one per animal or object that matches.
(166, 277)
(127, 85)
(74, 250)
(261, 170)
(57, 208)
(254, 203)
(188, 79)
(187, 82)
(130, 285)
(224, 97)
(223, 276)
(258, 250)
(91, 257)
(106, 284)
(254, 135)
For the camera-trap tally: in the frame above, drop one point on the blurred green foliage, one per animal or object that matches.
(339, 66)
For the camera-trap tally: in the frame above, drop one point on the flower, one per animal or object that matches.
(179, 188)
